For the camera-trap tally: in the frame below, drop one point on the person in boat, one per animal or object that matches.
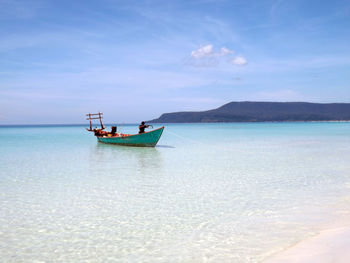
(142, 127)
(113, 130)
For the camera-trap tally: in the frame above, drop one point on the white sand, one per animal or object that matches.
(331, 246)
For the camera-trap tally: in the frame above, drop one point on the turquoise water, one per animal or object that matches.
(207, 193)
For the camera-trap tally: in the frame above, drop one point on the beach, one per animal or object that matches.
(326, 247)
(247, 192)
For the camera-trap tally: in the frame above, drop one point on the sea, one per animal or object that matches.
(223, 192)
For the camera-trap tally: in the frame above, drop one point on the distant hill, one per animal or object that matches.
(262, 111)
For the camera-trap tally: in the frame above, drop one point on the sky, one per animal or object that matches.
(134, 60)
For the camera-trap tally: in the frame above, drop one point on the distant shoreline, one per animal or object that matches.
(245, 122)
(260, 111)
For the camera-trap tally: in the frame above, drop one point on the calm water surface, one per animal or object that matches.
(207, 193)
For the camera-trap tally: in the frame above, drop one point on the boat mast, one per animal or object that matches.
(90, 122)
(100, 116)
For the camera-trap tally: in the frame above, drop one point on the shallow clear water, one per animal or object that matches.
(207, 193)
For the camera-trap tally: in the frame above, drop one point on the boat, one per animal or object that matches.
(146, 139)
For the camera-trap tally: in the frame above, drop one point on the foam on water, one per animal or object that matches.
(207, 193)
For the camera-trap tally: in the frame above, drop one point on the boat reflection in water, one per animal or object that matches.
(125, 160)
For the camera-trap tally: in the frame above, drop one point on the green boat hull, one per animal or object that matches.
(147, 139)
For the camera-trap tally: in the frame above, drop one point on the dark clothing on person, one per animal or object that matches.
(142, 128)
(114, 130)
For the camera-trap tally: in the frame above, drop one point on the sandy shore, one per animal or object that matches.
(330, 246)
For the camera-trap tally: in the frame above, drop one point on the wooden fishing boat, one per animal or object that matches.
(146, 139)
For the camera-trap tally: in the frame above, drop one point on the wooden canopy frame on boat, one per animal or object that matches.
(91, 116)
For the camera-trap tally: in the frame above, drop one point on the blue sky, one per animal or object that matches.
(134, 60)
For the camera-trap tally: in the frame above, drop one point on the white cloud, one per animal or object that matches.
(208, 51)
(206, 56)
(202, 52)
(239, 60)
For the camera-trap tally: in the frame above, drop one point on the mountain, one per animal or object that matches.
(262, 111)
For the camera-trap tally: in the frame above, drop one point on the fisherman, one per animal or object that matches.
(113, 130)
(142, 127)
